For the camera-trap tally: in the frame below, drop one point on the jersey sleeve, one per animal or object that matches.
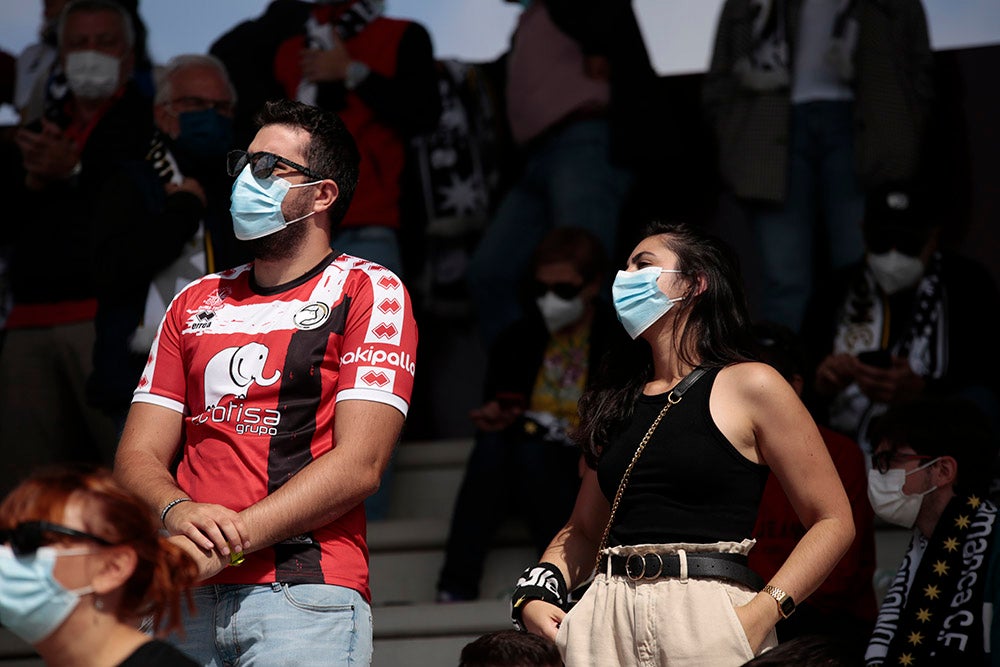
(163, 380)
(379, 347)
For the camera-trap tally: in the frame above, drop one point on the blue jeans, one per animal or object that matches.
(824, 205)
(568, 180)
(277, 624)
(375, 243)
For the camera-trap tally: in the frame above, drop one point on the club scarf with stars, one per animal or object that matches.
(938, 619)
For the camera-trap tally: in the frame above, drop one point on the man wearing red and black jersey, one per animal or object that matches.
(281, 388)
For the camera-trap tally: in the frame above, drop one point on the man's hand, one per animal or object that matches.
(209, 527)
(834, 373)
(48, 155)
(542, 618)
(187, 185)
(325, 65)
(494, 417)
(889, 385)
(209, 562)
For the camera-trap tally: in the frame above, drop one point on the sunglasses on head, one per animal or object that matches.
(561, 290)
(25, 538)
(262, 164)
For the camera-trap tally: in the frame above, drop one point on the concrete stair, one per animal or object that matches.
(407, 551)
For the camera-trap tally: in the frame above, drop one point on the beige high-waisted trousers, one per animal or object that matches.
(662, 622)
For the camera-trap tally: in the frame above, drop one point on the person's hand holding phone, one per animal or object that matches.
(500, 413)
(886, 378)
(48, 154)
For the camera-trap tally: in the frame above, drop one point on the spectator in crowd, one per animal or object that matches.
(682, 432)
(510, 648)
(95, 119)
(930, 471)
(812, 101)
(572, 75)
(271, 402)
(524, 457)
(161, 223)
(844, 605)
(35, 62)
(82, 561)
(904, 321)
(377, 73)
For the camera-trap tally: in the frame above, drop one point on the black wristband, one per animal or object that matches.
(544, 582)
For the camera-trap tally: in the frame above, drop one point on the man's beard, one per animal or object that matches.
(284, 243)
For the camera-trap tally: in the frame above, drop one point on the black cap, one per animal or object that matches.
(896, 216)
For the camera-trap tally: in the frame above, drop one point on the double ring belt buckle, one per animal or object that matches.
(629, 569)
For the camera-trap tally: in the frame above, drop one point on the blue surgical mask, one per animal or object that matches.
(256, 205)
(638, 299)
(205, 133)
(32, 603)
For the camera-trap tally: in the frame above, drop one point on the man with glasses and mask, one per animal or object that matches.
(281, 387)
(930, 472)
(162, 222)
(89, 120)
(904, 321)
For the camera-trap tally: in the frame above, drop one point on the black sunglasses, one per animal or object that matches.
(25, 538)
(882, 461)
(262, 164)
(561, 290)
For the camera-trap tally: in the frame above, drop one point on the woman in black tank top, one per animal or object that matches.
(680, 431)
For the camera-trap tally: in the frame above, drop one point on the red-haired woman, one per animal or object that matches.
(82, 562)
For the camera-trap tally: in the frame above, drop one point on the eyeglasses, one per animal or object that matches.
(192, 103)
(262, 164)
(561, 290)
(882, 461)
(26, 538)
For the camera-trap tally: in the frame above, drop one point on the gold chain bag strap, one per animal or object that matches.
(673, 398)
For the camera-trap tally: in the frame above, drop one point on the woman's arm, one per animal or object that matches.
(574, 551)
(776, 425)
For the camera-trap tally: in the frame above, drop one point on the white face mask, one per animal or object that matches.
(885, 491)
(559, 313)
(895, 271)
(92, 75)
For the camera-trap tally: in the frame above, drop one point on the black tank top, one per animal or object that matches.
(689, 485)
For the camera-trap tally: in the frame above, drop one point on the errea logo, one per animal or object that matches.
(311, 316)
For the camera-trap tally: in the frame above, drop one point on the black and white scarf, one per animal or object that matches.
(937, 609)
(349, 23)
(767, 64)
(862, 325)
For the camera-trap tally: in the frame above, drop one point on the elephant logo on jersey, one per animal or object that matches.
(232, 370)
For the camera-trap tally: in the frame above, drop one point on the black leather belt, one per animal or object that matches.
(701, 565)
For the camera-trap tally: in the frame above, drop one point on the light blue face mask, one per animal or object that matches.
(32, 603)
(255, 205)
(638, 299)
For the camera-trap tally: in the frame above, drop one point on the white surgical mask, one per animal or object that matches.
(558, 312)
(33, 604)
(895, 271)
(885, 491)
(638, 299)
(92, 75)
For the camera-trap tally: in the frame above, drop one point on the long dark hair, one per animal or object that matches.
(718, 328)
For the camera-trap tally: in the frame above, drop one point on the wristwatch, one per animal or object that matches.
(786, 605)
(356, 73)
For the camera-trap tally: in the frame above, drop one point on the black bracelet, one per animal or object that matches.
(170, 506)
(538, 582)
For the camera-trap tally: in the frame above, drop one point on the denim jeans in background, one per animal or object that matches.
(824, 205)
(375, 243)
(567, 180)
(277, 624)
